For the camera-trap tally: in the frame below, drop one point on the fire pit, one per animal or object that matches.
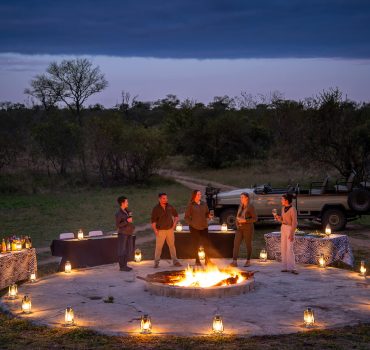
(200, 282)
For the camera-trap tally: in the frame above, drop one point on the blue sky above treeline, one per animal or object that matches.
(187, 29)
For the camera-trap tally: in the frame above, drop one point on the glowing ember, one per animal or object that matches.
(210, 277)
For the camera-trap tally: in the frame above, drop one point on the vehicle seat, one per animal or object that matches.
(322, 188)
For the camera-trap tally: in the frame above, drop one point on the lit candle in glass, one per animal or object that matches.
(138, 255)
(69, 317)
(328, 230)
(67, 267)
(145, 325)
(80, 234)
(13, 291)
(201, 253)
(26, 304)
(263, 255)
(224, 227)
(363, 268)
(33, 277)
(309, 317)
(322, 262)
(217, 325)
(179, 227)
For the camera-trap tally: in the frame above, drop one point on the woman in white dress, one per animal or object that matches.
(289, 224)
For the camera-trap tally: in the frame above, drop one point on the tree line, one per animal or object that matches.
(129, 142)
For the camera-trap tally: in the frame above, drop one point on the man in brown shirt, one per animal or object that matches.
(164, 220)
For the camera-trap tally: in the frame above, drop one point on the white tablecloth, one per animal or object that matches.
(17, 266)
(307, 249)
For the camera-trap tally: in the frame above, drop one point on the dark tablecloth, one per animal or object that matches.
(87, 252)
(218, 245)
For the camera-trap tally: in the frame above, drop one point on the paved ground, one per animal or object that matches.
(339, 297)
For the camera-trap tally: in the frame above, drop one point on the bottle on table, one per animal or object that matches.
(27, 243)
(3, 246)
(8, 245)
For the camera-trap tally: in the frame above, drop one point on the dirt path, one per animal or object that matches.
(192, 182)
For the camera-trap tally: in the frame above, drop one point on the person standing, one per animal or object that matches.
(125, 229)
(289, 224)
(197, 215)
(245, 219)
(164, 220)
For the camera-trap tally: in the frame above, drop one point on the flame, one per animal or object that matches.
(209, 277)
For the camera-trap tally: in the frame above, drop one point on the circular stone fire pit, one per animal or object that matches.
(158, 284)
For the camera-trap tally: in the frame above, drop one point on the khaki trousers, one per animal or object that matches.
(169, 237)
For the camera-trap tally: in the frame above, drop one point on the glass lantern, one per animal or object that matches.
(263, 255)
(201, 253)
(67, 267)
(80, 234)
(138, 255)
(309, 317)
(327, 230)
(69, 317)
(33, 277)
(145, 325)
(363, 268)
(322, 261)
(217, 325)
(26, 304)
(13, 291)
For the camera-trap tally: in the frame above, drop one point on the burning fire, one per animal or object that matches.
(210, 277)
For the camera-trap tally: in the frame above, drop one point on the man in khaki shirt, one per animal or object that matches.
(164, 220)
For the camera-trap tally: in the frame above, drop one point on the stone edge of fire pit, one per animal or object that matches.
(164, 290)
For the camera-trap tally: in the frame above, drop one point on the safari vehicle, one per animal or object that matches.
(334, 205)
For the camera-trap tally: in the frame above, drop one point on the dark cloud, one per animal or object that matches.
(188, 28)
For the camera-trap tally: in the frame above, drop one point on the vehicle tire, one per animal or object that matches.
(335, 218)
(359, 200)
(228, 216)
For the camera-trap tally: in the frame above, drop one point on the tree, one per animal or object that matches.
(71, 82)
(59, 141)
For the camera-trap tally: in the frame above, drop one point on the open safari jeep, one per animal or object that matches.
(329, 204)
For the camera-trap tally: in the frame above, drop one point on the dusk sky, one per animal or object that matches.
(194, 49)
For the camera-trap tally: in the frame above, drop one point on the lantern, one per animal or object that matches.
(363, 268)
(145, 325)
(33, 277)
(328, 230)
(179, 227)
(224, 227)
(309, 317)
(67, 267)
(69, 317)
(138, 255)
(217, 325)
(13, 291)
(80, 234)
(322, 262)
(18, 245)
(201, 253)
(263, 255)
(26, 304)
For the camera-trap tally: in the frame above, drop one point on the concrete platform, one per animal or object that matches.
(275, 306)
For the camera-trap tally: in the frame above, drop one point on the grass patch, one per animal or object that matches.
(20, 334)
(271, 171)
(45, 216)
